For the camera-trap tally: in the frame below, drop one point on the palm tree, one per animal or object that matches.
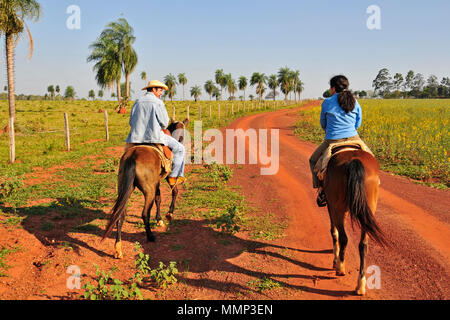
(57, 89)
(273, 84)
(295, 78)
(108, 68)
(144, 76)
(258, 79)
(122, 34)
(242, 83)
(51, 90)
(216, 93)
(209, 88)
(13, 14)
(171, 83)
(231, 85)
(196, 92)
(299, 88)
(182, 80)
(220, 80)
(285, 81)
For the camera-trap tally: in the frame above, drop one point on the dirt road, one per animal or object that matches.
(415, 219)
(213, 266)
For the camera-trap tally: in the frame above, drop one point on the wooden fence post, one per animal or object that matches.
(219, 111)
(173, 112)
(200, 112)
(187, 112)
(106, 125)
(67, 130)
(210, 111)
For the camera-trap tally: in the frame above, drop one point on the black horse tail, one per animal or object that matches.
(360, 211)
(125, 189)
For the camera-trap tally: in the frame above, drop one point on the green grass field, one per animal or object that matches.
(408, 137)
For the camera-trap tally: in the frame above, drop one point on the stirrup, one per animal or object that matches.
(321, 199)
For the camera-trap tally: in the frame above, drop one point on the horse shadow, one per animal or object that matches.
(53, 222)
(197, 247)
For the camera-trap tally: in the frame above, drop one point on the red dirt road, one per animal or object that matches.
(213, 266)
(415, 219)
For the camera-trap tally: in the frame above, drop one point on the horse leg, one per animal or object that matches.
(146, 214)
(335, 237)
(363, 248)
(172, 204)
(118, 245)
(340, 267)
(158, 206)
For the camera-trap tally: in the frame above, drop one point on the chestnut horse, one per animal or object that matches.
(351, 185)
(140, 167)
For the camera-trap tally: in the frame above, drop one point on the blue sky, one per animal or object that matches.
(320, 38)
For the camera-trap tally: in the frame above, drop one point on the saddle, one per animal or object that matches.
(164, 153)
(335, 148)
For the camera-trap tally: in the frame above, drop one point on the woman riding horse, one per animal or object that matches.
(340, 117)
(351, 181)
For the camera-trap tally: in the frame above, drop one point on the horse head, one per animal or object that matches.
(176, 129)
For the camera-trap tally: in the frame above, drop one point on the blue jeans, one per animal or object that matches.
(179, 156)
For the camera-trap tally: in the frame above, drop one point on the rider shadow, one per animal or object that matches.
(52, 222)
(199, 248)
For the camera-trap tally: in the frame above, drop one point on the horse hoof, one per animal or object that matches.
(118, 251)
(161, 223)
(169, 217)
(340, 273)
(361, 287)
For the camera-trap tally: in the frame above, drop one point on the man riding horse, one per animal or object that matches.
(148, 121)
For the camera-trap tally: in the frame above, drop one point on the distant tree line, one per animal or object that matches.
(412, 85)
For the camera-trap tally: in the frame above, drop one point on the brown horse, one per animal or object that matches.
(140, 167)
(351, 185)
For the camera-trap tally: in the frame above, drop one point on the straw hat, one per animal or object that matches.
(155, 84)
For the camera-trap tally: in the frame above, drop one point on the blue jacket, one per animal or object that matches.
(147, 118)
(336, 123)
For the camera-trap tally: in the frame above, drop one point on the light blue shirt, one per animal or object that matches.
(147, 118)
(338, 124)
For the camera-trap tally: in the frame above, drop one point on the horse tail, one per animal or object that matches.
(357, 201)
(125, 188)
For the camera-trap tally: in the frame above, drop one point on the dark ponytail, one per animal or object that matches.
(346, 99)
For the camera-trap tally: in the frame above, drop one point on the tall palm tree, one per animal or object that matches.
(242, 83)
(216, 93)
(299, 88)
(13, 14)
(123, 35)
(259, 79)
(209, 88)
(182, 80)
(171, 83)
(108, 68)
(272, 82)
(220, 80)
(196, 91)
(231, 85)
(285, 81)
(295, 78)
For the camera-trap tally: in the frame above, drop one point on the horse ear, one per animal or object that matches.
(186, 121)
